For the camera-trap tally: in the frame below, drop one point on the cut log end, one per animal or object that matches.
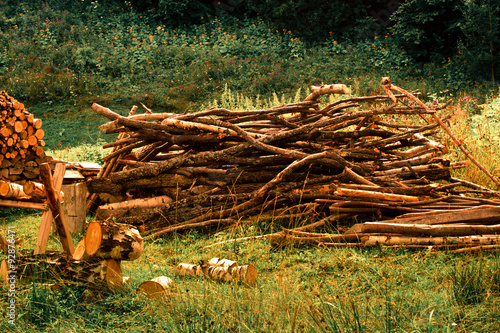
(4, 272)
(80, 253)
(93, 238)
(114, 276)
(113, 240)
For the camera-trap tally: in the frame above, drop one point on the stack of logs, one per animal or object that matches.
(300, 162)
(21, 144)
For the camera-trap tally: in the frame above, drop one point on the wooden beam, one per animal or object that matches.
(47, 218)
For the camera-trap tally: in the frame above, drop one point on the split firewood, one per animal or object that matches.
(20, 141)
(110, 240)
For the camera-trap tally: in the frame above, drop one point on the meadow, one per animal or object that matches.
(58, 63)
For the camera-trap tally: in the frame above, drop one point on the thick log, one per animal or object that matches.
(61, 268)
(130, 207)
(75, 207)
(35, 190)
(106, 239)
(12, 190)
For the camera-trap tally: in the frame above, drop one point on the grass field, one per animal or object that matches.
(299, 289)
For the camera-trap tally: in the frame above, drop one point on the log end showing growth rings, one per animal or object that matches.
(113, 240)
(114, 276)
(93, 238)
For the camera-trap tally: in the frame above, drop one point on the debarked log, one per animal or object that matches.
(402, 240)
(430, 230)
(61, 268)
(374, 195)
(107, 239)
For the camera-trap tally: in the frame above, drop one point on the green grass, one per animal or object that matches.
(299, 289)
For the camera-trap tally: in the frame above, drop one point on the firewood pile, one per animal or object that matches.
(307, 164)
(21, 144)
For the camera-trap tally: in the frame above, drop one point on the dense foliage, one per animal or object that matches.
(178, 54)
(428, 30)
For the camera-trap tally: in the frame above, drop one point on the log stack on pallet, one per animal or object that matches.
(21, 144)
(300, 162)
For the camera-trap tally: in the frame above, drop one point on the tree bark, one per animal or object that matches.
(110, 240)
(157, 287)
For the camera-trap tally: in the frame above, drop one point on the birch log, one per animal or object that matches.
(110, 240)
(402, 240)
(60, 267)
(156, 287)
(220, 269)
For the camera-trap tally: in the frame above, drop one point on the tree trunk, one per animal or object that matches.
(59, 267)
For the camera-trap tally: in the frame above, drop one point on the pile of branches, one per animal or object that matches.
(308, 164)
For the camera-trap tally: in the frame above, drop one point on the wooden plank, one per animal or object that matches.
(55, 205)
(47, 218)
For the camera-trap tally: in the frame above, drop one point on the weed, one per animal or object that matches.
(468, 283)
